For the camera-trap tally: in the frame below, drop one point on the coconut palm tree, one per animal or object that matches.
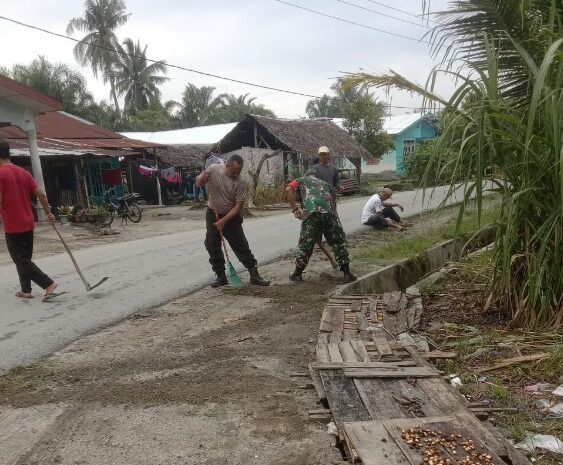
(98, 47)
(57, 80)
(234, 108)
(198, 107)
(137, 79)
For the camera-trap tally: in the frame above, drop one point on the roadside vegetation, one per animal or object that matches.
(411, 246)
(512, 372)
(504, 125)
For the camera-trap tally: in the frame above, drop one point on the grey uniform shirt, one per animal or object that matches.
(328, 174)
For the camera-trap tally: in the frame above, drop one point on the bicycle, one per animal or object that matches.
(127, 208)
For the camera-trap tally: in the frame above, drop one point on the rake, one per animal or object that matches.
(88, 286)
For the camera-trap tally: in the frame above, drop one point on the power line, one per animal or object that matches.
(365, 26)
(183, 68)
(399, 10)
(380, 13)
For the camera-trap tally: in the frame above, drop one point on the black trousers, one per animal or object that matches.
(378, 220)
(234, 234)
(20, 246)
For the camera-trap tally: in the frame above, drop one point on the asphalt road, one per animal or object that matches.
(143, 274)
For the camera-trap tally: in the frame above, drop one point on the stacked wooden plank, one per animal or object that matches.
(375, 380)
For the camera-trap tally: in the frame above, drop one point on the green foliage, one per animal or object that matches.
(324, 107)
(66, 85)
(200, 108)
(429, 289)
(270, 194)
(137, 79)
(410, 247)
(363, 115)
(155, 118)
(99, 21)
(510, 133)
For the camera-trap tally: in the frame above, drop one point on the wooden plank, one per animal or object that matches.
(363, 323)
(343, 398)
(334, 352)
(438, 354)
(347, 352)
(361, 351)
(373, 444)
(402, 324)
(380, 340)
(393, 301)
(336, 336)
(316, 379)
(332, 319)
(378, 400)
(390, 372)
(358, 364)
(412, 400)
(322, 352)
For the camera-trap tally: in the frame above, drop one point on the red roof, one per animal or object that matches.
(22, 95)
(61, 130)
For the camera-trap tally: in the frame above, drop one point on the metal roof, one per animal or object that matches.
(24, 96)
(61, 131)
(198, 135)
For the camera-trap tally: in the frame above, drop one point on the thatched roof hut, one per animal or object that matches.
(185, 157)
(300, 136)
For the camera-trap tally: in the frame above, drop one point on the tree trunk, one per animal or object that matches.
(357, 162)
(115, 102)
(255, 175)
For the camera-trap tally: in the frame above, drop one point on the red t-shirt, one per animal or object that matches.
(16, 186)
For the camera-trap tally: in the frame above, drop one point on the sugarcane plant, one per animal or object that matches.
(505, 123)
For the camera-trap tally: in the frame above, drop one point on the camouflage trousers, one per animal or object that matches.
(312, 231)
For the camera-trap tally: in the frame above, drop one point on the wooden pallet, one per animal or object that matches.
(372, 373)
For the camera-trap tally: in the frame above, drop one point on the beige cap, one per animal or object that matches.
(324, 149)
(387, 191)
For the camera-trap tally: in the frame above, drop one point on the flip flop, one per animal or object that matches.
(52, 295)
(21, 295)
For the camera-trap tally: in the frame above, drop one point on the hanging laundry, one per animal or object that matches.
(146, 171)
(167, 172)
(112, 177)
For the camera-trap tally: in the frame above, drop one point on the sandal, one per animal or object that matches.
(23, 295)
(51, 296)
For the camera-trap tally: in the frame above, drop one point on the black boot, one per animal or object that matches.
(297, 275)
(221, 280)
(348, 276)
(256, 279)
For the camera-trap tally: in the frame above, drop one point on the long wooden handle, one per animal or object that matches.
(327, 253)
(86, 283)
(222, 237)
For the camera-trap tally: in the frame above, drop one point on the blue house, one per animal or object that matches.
(407, 131)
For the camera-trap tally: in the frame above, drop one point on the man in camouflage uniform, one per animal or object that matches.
(318, 215)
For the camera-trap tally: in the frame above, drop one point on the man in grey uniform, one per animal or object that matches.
(326, 172)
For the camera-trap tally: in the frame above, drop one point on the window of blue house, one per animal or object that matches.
(408, 148)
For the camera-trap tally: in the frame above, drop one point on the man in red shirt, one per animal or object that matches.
(16, 187)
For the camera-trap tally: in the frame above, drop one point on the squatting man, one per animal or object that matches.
(379, 212)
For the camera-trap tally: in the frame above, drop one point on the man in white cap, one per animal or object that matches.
(326, 172)
(379, 212)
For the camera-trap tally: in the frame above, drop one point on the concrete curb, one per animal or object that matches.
(406, 273)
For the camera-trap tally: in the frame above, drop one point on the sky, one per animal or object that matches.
(261, 41)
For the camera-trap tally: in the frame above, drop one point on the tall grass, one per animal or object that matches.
(505, 121)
